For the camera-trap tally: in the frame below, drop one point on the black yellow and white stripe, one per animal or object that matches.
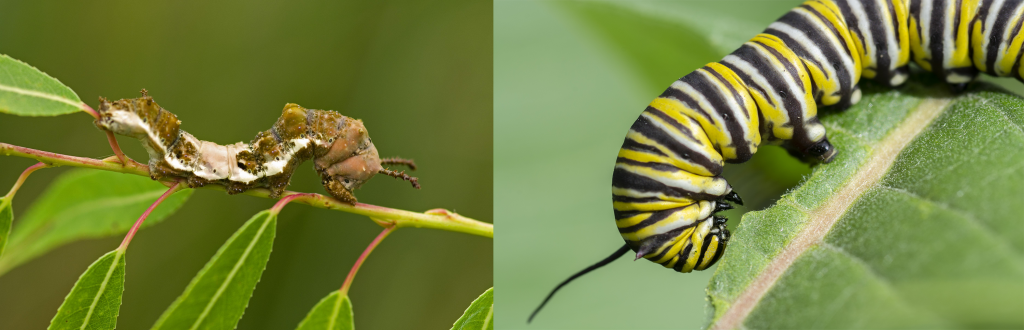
(666, 185)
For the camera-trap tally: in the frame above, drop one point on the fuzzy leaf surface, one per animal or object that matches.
(929, 236)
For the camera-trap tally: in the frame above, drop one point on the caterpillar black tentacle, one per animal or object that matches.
(340, 147)
(607, 260)
(666, 185)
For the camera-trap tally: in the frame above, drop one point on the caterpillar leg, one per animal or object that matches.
(337, 189)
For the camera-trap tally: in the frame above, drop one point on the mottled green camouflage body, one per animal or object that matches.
(345, 157)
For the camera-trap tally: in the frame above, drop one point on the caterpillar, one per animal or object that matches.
(339, 146)
(666, 184)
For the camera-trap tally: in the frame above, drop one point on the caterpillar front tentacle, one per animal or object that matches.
(340, 147)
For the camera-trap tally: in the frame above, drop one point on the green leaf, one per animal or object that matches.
(218, 295)
(6, 217)
(86, 204)
(95, 299)
(26, 91)
(915, 224)
(334, 312)
(479, 315)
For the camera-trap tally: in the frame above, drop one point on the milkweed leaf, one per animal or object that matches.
(26, 91)
(913, 225)
(95, 300)
(479, 315)
(216, 298)
(84, 203)
(334, 312)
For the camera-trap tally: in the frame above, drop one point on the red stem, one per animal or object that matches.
(89, 110)
(287, 199)
(24, 175)
(110, 136)
(366, 253)
(138, 223)
(116, 148)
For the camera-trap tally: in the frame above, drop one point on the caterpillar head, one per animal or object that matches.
(821, 151)
(349, 161)
(687, 249)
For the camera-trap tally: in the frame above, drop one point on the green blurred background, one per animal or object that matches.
(570, 78)
(418, 73)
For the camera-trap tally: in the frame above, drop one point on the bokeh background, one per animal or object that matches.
(570, 78)
(418, 73)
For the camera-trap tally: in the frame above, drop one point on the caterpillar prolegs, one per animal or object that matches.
(340, 147)
(667, 184)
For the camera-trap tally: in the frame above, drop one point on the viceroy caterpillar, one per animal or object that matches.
(666, 185)
(340, 147)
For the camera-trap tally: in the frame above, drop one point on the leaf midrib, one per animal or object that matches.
(103, 286)
(231, 275)
(823, 218)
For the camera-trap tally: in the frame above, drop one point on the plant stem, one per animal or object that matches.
(284, 201)
(21, 179)
(436, 218)
(110, 135)
(138, 223)
(362, 257)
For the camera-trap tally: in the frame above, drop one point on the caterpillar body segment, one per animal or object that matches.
(340, 146)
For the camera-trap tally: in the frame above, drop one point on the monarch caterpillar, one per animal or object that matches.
(340, 147)
(666, 184)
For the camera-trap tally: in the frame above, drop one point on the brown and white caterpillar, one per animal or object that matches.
(340, 147)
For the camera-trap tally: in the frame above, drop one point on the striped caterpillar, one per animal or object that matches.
(340, 147)
(666, 185)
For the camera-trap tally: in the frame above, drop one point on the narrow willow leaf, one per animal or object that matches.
(86, 204)
(6, 217)
(334, 312)
(218, 295)
(916, 224)
(479, 315)
(26, 91)
(95, 299)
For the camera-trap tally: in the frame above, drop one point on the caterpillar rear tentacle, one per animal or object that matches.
(340, 147)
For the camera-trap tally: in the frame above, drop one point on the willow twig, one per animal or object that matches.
(437, 218)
